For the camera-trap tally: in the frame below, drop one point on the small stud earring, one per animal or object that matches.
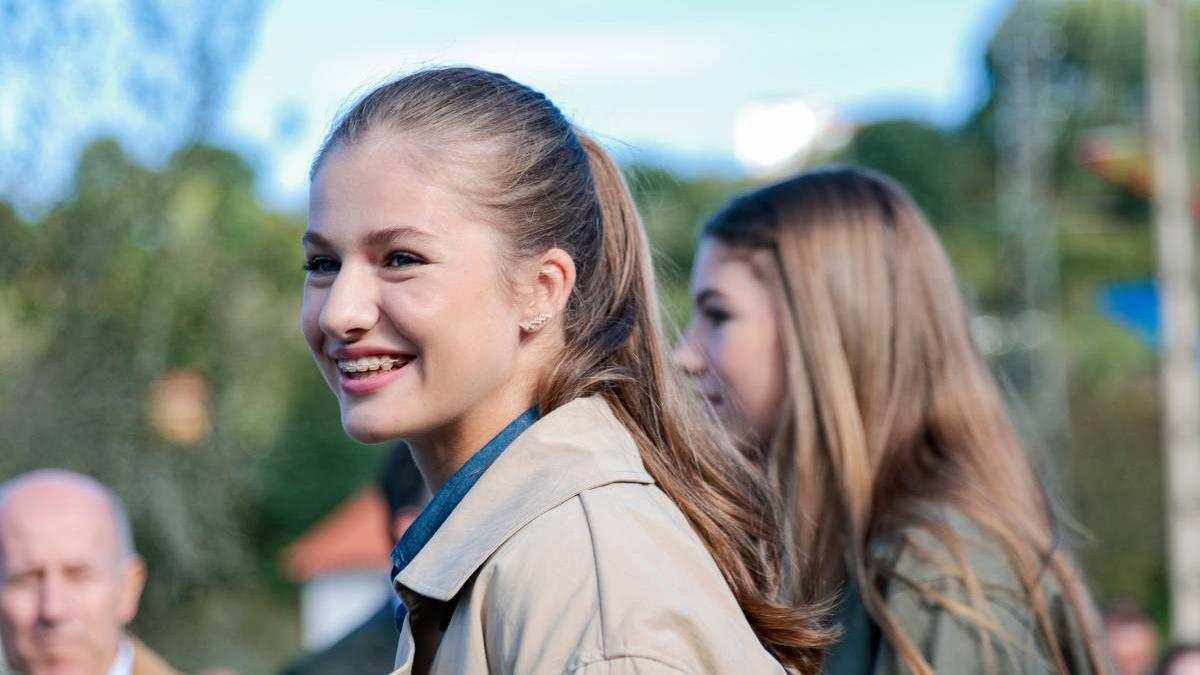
(535, 323)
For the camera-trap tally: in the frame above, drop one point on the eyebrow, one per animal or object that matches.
(315, 239)
(706, 295)
(375, 238)
(390, 235)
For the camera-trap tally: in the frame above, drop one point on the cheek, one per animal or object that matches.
(768, 393)
(310, 316)
(750, 361)
(18, 607)
(457, 324)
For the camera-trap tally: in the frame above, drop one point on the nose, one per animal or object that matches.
(351, 305)
(687, 355)
(54, 604)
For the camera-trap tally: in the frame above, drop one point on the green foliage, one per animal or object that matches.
(146, 273)
(141, 273)
(943, 175)
(673, 210)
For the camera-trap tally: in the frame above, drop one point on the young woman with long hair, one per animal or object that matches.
(830, 336)
(480, 286)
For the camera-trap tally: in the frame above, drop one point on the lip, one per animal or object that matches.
(373, 383)
(362, 351)
(370, 385)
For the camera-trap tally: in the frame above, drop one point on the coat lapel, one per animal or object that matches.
(579, 446)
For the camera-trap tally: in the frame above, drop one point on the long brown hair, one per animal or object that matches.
(549, 185)
(891, 413)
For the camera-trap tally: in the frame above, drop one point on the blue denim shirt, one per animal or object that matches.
(439, 508)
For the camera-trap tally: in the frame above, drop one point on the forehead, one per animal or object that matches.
(45, 527)
(383, 181)
(733, 270)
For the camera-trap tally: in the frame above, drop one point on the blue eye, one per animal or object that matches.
(321, 265)
(401, 259)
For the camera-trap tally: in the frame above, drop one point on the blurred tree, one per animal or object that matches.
(156, 72)
(1087, 58)
(941, 173)
(673, 210)
(173, 283)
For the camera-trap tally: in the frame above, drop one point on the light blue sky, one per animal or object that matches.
(660, 76)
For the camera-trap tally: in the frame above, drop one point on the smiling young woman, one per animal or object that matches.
(479, 285)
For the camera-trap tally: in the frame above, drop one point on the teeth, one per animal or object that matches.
(369, 363)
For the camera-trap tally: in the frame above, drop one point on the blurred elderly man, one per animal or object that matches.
(70, 579)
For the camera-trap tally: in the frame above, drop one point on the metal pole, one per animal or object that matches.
(1176, 251)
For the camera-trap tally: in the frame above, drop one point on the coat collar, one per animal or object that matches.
(578, 446)
(452, 492)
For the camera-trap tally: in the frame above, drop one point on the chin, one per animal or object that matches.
(374, 422)
(370, 432)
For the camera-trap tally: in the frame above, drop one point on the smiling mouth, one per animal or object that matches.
(371, 366)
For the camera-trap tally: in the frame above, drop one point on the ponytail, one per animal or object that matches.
(720, 492)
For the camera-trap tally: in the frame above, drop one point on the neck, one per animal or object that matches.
(442, 451)
(119, 661)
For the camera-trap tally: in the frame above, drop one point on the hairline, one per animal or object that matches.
(126, 549)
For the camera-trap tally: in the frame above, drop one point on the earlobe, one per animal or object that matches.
(535, 323)
(552, 286)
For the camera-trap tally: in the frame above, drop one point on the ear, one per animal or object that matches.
(133, 580)
(553, 279)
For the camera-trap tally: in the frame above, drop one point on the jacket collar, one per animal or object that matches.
(578, 446)
(452, 492)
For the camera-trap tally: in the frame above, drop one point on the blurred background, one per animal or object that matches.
(153, 170)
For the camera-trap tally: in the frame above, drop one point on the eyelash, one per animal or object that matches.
(321, 264)
(314, 264)
(408, 259)
(715, 316)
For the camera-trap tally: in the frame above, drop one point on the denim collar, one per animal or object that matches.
(576, 447)
(452, 492)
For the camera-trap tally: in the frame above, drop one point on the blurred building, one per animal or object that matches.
(341, 565)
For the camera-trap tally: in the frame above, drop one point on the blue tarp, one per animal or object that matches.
(1133, 305)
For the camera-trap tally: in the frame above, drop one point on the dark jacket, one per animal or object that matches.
(369, 649)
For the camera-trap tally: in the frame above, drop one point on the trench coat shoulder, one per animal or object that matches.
(621, 584)
(567, 557)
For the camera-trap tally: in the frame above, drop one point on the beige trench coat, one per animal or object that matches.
(565, 557)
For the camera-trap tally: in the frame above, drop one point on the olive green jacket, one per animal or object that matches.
(948, 642)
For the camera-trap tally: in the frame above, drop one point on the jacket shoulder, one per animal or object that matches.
(614, 580)
(930, 601)
(147, 662)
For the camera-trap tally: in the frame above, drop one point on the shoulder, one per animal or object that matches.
(618, 573)
(628, 539)
(942, 582)
(147, 662)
